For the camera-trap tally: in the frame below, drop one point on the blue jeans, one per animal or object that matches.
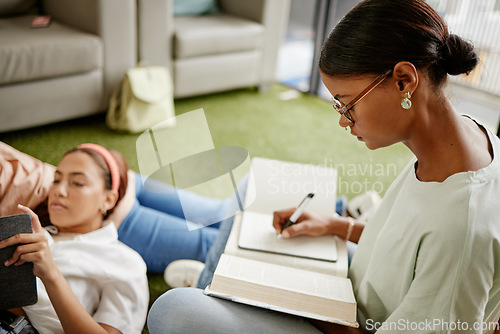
(156, 227)
(188, 310)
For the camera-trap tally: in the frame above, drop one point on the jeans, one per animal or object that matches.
(188, 310)
(157, 229)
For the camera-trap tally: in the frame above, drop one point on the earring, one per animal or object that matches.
(406, 103)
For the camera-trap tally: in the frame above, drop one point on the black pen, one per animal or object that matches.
(299, 211)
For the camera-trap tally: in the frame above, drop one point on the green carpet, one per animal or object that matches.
(303, 130)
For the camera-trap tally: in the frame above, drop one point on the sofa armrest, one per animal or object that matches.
(252, 10)
(275, 20)
(273, 15)
(114, 21)
(155, 24)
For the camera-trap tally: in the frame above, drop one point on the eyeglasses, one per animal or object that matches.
(345, 110)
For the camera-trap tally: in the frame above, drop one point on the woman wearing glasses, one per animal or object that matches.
(428, 260)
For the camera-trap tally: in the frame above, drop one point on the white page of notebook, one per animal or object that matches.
(276, 185)
(257, 233)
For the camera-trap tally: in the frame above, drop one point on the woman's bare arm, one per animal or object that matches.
(34, 248)
(314, 224)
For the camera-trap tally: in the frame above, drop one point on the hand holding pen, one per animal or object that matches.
(309, 223)
(300, 209)
(297, 221)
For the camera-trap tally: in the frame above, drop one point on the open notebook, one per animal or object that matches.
(301, 282)
(278, 185)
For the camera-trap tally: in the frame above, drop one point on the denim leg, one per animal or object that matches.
(156, 227)
(166, 198)
(341, 206)
(188, 310)
(342, 211)
(215, 252)
(161, 238)
(218, 246)
(351, 249)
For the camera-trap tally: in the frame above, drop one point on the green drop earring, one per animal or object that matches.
(406, 103)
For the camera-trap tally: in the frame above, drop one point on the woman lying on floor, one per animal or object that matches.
(152, 223)
(87, 281)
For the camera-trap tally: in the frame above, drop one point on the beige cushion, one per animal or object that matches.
(16, 7)
(210, 74)
(215, 34)
(48, 52)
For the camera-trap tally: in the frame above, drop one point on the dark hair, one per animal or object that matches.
(42, 210)
(377, 34)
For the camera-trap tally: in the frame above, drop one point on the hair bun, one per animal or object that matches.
(458, 55)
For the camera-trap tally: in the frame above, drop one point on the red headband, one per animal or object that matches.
(114, 170)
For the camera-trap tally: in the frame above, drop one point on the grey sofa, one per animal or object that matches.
(233, 48)
(68, 69)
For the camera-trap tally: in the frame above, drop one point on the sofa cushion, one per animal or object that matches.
(31, 54)
(215, 34)
(211, 74)
(195, 7)
(16, 7)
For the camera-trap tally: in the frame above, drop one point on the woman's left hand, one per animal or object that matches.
(33, 247)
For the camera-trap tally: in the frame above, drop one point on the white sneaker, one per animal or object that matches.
(363, 206)
(183, 273)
